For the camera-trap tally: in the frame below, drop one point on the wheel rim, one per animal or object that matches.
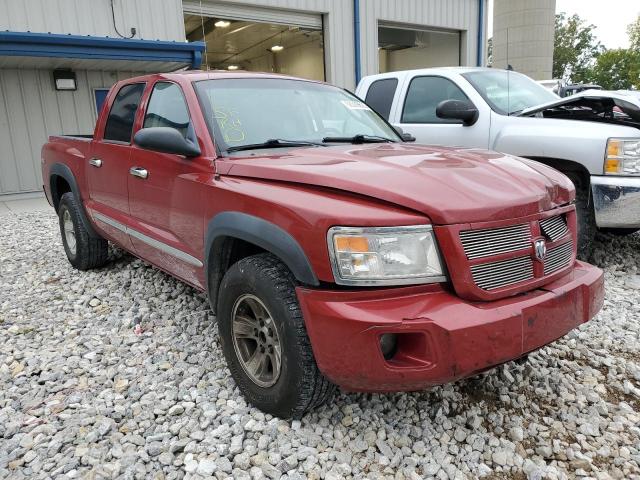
(256, 341)
(69, 232)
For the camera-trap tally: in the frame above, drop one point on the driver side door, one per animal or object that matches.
(417, 114)
(166, 213)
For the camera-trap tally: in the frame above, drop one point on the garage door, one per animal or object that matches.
(251, 13)
(257, 39)
(406, 48)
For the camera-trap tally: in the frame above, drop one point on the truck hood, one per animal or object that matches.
(449, 185)
(592, 105)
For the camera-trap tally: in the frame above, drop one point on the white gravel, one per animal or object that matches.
(83, 396)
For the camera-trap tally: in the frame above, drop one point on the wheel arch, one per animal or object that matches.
(565, 166)
(231, 236)
(61, 181)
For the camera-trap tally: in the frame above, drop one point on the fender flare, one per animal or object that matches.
(257, 231)
(61, 170)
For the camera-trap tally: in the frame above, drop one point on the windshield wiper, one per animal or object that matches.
(274, 143)
(357, 139)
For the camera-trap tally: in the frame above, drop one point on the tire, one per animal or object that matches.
(299, 386)
(585, 216)
(83, 251)
(621, 232)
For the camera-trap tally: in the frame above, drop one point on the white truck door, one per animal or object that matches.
(417, 113)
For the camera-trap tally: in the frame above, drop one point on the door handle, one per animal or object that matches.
(139, 172)
(96, 162)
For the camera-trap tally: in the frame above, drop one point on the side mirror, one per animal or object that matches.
(406, 137)
(458, 110)
(166, 140)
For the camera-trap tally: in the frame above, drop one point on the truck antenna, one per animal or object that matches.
(204, 39)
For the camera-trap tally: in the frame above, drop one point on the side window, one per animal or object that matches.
(123, 111)
(380, 96)
(167, 108)
(424, 95)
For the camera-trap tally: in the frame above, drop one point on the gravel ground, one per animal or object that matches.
(83, 396)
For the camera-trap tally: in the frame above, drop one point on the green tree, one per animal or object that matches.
(617, 69)
(634, 34)
(575, 48)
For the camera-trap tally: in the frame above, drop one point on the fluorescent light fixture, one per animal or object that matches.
(222, 23)
(277, 48)
(232, 67)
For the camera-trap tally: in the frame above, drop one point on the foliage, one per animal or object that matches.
(617, 69)
(634, 34)
(490, 52)
(575, 48)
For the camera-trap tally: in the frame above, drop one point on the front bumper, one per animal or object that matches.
(616, 201)
(441, 337)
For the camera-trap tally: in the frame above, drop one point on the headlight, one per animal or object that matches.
(385, 255)
(622, 157)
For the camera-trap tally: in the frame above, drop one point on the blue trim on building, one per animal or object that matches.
(480, 51)
(356, 39)
(29, 44)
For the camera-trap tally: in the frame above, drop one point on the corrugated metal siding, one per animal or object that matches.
(153, 19)
(31, 110)
(338, 32)
(446, 14)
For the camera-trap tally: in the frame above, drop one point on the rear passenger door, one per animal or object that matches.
(108, 164)
(417, 114)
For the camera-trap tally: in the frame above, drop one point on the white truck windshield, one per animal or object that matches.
(509, 92)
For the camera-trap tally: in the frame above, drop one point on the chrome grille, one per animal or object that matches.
(490, 276)
(554, 228)
(494, 241)
(558, 257)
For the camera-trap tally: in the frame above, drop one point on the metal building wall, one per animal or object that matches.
(338, 31)
(153, 19)
(31, 110)
(444, 14)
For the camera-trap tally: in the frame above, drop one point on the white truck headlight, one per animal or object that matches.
(622, 156)
(385, 255)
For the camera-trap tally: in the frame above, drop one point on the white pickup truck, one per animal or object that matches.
(592, 137)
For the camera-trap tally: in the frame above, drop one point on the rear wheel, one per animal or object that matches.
(265, 341)
(83, 251)
(585, 215)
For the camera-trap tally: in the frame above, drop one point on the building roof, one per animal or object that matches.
(49, 50)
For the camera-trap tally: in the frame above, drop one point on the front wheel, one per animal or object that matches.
(265, 341)
(585, 216)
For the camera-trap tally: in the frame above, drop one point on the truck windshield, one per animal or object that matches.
(509, 92)
(246, 113)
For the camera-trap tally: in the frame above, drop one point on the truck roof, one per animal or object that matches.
(434, 70)
(197, 75)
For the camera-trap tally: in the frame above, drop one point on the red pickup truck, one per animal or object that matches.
(333, 251)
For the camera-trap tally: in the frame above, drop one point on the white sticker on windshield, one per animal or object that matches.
(355, 105)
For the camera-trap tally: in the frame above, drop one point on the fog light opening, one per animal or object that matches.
(388, 345)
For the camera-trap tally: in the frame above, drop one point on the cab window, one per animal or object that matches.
(123, 112)
(167, 108)
(380, 96)
(424, 95)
